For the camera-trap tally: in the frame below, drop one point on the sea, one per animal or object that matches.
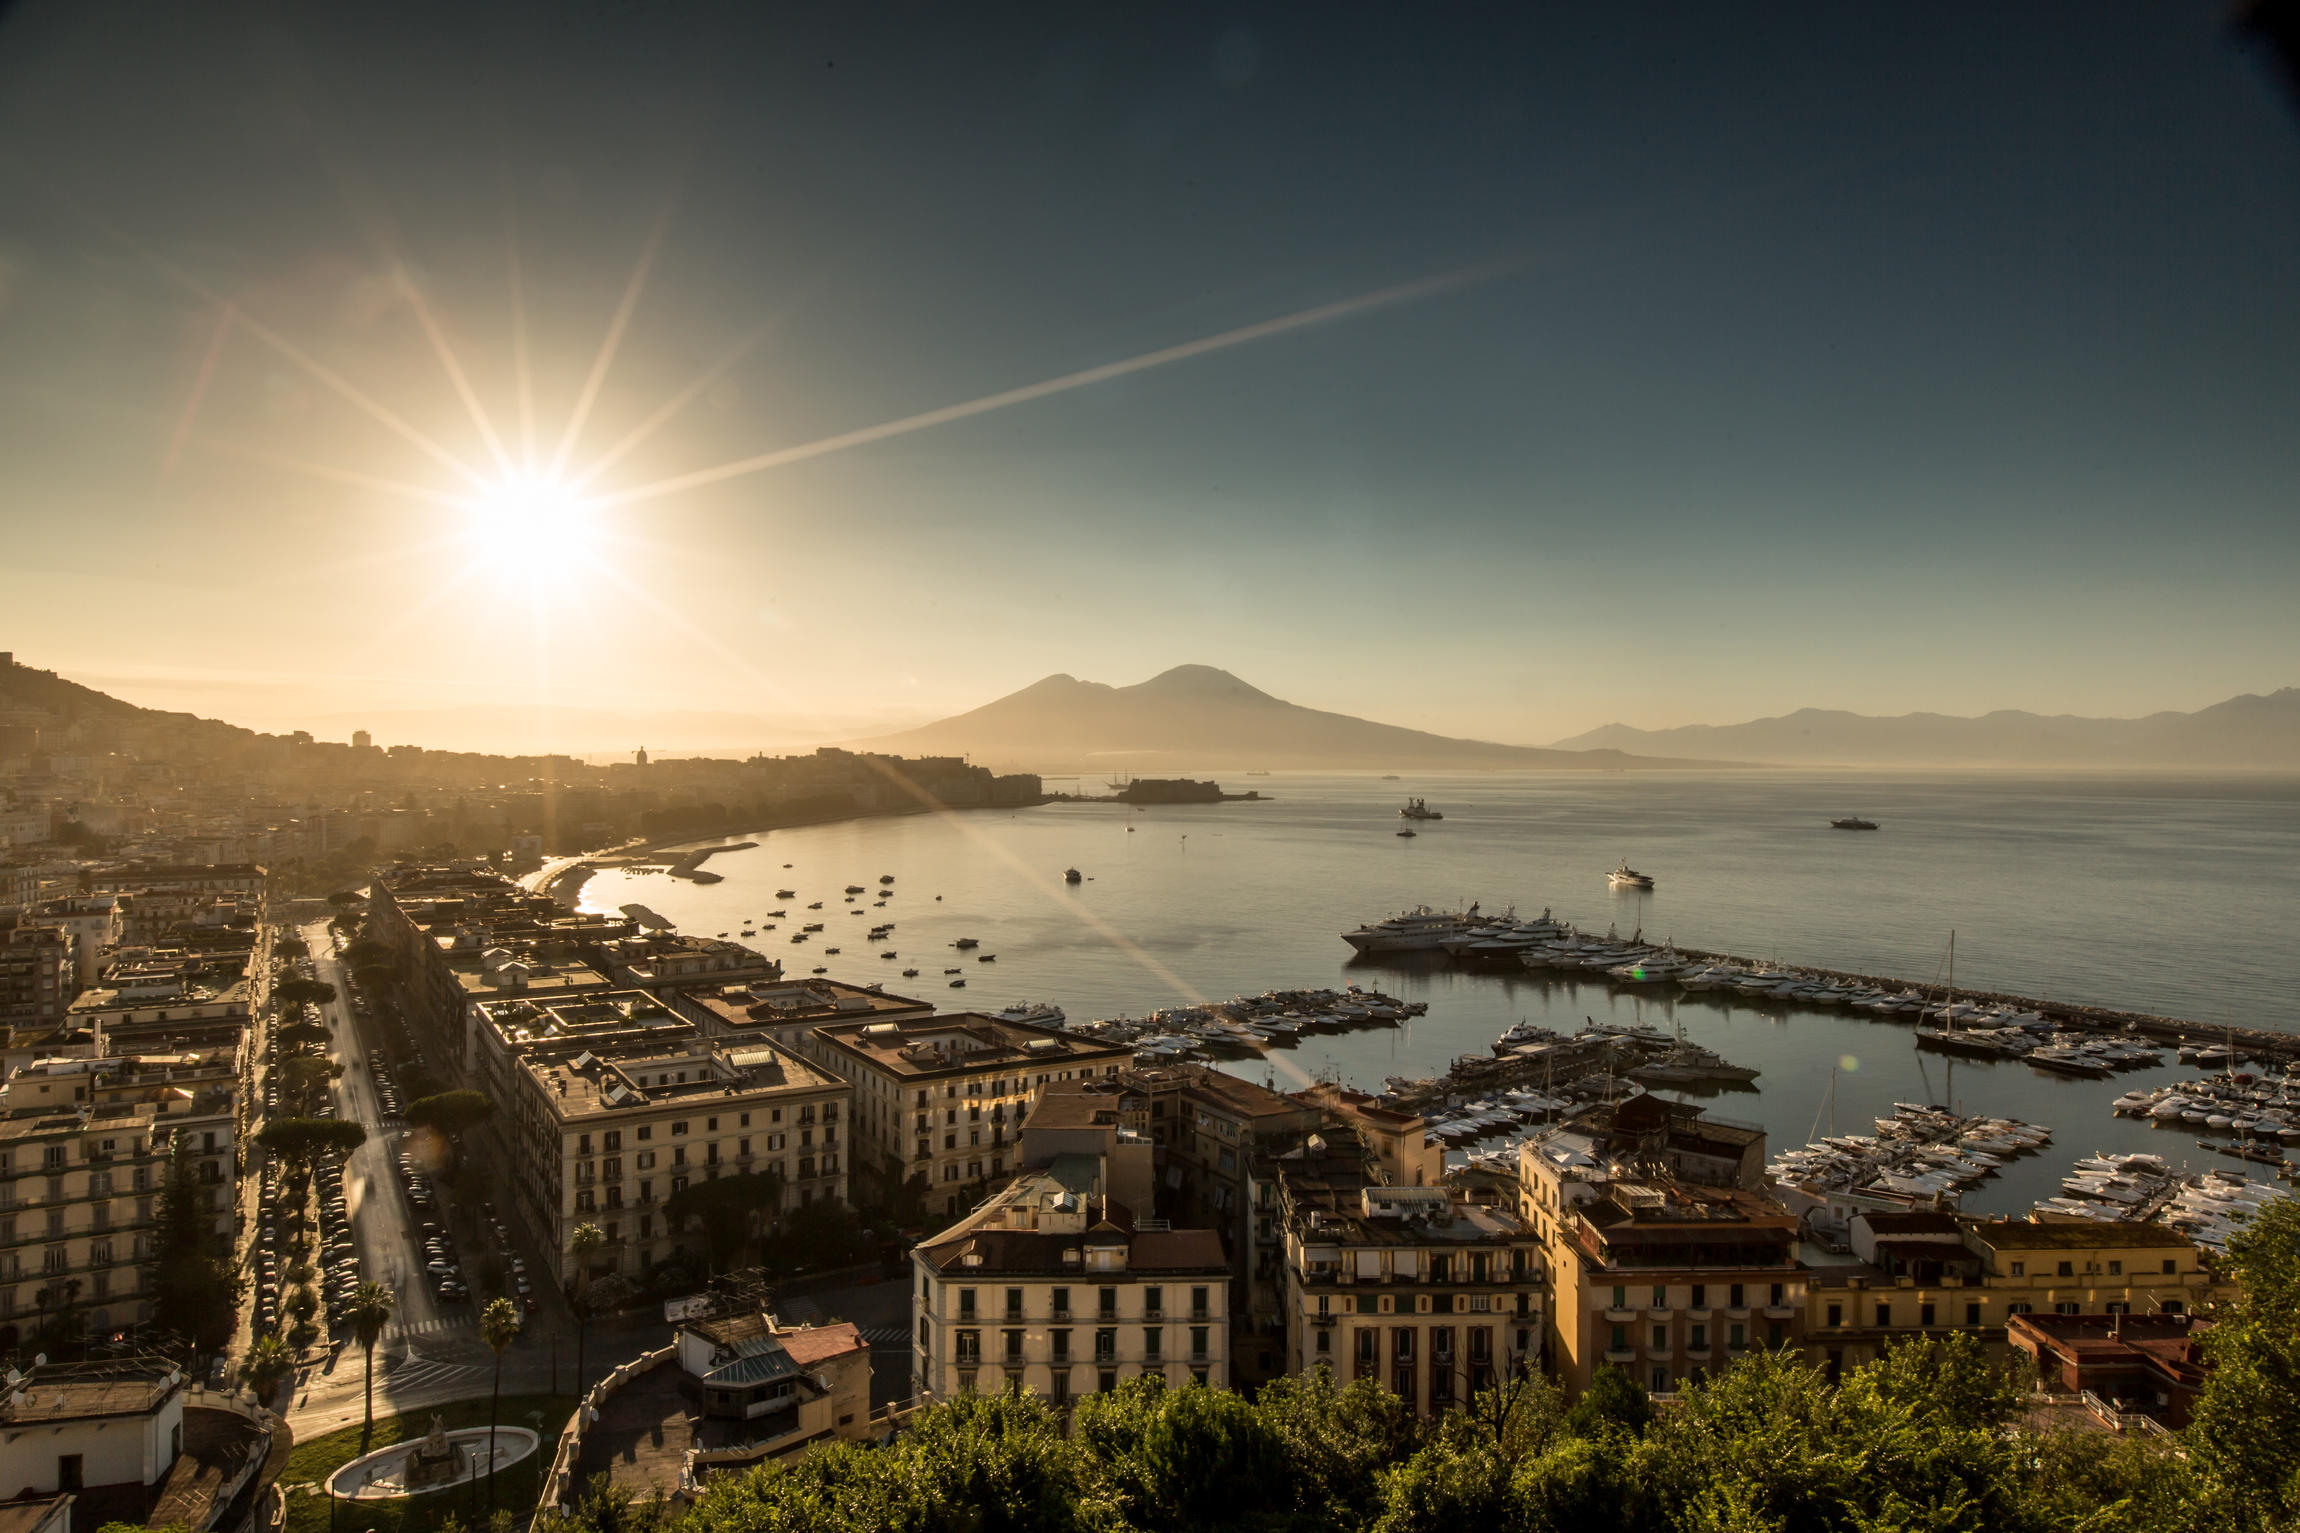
(2178, 896)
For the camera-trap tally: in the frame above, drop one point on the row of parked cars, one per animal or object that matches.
(339, 1256)
(386, 1089)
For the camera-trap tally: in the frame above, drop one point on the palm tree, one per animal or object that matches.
(267, 1363)
(499, 1328)
(370, 1312)
(586, 1239)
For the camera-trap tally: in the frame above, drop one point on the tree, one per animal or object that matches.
(369, 1312)
(2245, 1434)
(267, 1364)
(347, 899)
(499, 1328)
(585, 1239)
(195, 1287)
(293, 993)
(1613, 1402)
(299, 1142)
(729, 1208)
(366, 953)
(451, 1112)
(300, 1035)
(289, 945)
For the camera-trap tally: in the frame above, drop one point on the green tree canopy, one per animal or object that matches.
(451, 1112)
(2246, 1431)
(195, 1288)
(302, 1141)
(303, 992)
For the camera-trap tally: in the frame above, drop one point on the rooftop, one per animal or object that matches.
(80, 1391)
(964, 1042)
(641, 1078)
(772, 1003)
(2077, 1235)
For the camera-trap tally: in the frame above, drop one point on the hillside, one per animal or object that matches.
(2244, 733)
(1197, 716)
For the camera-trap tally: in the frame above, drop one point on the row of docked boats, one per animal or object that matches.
(1250, 1024)
(2005, 1032)
(2209, 1208)
(1916, 1152)
(2241, 1105)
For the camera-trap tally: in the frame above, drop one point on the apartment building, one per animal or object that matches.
(77, 1194)
(1666, 1254)
(1923, 1273)
(1429, 1289)
(607, 1135)
(786, 1012)
(1056, 1288)
(90, 921)
(508, 1028)
(662, 959)
(940, 1101)
(35, 980)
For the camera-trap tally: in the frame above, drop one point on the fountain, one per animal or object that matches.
(435, 1461)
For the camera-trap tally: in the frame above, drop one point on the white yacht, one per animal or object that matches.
(1414, 929)
(1036, 1013)
(1627, 877)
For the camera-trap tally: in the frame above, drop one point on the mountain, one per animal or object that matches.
(1195, 716)
(2244, 733)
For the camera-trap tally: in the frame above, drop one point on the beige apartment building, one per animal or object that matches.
(1054, 1287)
(1926, 1273)
(1426, 1289)
(939, 1101)
(78, 1191)
(607, 1135)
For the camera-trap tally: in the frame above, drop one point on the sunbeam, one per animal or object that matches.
(608, 347)
(672, 406)
(463, 389)
(1404, 292)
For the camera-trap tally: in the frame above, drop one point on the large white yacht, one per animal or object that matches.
(1418, 928)
(1627, 877)
(1039, 1013)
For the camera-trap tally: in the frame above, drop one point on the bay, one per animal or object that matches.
(2178, 896)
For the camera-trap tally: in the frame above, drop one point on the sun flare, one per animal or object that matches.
(536, 524)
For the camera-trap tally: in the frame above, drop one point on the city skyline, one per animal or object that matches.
(1503, 383)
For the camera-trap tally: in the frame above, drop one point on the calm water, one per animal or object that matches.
(2172, 896)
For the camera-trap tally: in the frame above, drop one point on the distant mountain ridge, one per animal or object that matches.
(2250, 732)
(1199, 716)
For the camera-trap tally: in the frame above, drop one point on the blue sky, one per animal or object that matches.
(1942, 358)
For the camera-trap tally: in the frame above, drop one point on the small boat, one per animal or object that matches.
(856, 889)
(987, 958)
(786, 894)
(1073, 876)
(953, 971)
(817, 905)
(889, 953)
(910, 974)
(1627, 877)
(963, 943)
(1852, 822)
(1409, 831)
(958, 984)
(886, 878)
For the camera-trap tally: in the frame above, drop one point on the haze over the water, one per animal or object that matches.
(1560, 370)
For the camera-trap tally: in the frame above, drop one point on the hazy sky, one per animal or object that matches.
(1942, 357)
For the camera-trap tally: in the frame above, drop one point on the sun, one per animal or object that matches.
(534, 525)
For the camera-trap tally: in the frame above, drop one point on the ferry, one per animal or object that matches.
(1036, 1013)
(1415, 929)
(1627, 877)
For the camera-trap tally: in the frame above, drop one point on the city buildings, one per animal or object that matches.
(608, 1135)
(35, 980)
(1428, 1289)
(1667, 1257)
(1055, 1287)
(2144, 1365)
(120, 1442)
(940, 1101)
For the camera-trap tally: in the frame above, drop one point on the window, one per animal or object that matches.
(1061, 1395)
(1700, 1295)
(2170, 1266)
(1061, 1345)
(1106, 1303)
(1153, 1302)
(1884, 1314)
(1925, 1316)
(1660, 1297)
(1776, 1299)
(2115, 1268)
(1733, 1298)
(1736, 1336)
(1836, 1314)
(969, 1348)
(1367, 1343)
(966, 1304)
(2065, 1307)
(1620, 1297)
(1014, 1304)
(1106, 1345)
(1153, 1344)
(1061, 1303)
(710, 1125)
(1199, 1309)
(2068, 1269)
(1972, 1314)
(1013, 1347)
(1661, 1338)
(2020, 1269)
(1698, 1339)
(646, 1131)
(678, 1128)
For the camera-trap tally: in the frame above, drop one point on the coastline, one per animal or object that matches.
(565, 884)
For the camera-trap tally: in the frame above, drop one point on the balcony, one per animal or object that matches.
(1619, 1316)
(1621, 1356)
(1659, 1312)
(1699, 1312)
(1780, 1311)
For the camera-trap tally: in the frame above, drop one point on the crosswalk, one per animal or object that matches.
(404, 1331)
(415, 1373)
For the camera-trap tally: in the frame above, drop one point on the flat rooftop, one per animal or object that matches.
(525, 1019)
(642, 1079)
(2077, 1235)
(778, 1003)
(964, 1042)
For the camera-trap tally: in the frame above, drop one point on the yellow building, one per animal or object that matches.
(1927, 1273)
